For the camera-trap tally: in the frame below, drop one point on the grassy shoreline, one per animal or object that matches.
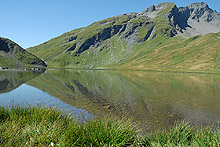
(42, 126)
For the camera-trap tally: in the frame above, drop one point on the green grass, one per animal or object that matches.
(27, 59)
(183, 134)
(4, 61)
(198, 53)
(92, 58)
(42, 126)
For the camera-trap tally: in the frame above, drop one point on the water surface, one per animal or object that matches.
(154, 100)
(14, 91)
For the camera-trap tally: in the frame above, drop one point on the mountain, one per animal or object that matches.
(11, 54)
(160, 37)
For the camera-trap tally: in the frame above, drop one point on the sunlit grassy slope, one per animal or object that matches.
(195, 53)
(60, 51)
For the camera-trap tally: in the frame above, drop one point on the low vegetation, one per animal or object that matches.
(198, 53)
(42, 126)
(6, 61)
(183, 134)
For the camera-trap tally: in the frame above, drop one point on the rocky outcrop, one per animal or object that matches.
(195, 19)
(153, 11)
(97, 39)
(201, 12)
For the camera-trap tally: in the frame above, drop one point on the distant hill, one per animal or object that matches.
(11, 54)
(160, 37)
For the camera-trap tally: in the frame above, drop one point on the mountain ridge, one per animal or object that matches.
(108, 42)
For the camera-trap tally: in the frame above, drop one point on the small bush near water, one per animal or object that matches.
(41, 126)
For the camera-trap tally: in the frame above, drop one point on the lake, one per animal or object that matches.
(153, 100)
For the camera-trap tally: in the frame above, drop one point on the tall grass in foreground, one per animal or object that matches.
(183, 134)
(41, 126)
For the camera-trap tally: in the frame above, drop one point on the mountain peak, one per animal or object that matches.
(198, 5)
(164, 5)
(150, 9)
(153, 11)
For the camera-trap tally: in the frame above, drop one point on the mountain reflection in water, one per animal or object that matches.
(152, 100)
(10, 80)
(14, 91)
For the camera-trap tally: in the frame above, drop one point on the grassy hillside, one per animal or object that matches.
(11, 54)
(193, 54)
(4, 61)
(150, 40)
(65, 50)
(104, 43)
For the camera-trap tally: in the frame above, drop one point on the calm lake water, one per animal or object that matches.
(153, 100)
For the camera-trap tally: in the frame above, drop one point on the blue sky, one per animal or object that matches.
(32, 22)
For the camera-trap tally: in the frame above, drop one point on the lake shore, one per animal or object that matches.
(25, 70)
(14, 70)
